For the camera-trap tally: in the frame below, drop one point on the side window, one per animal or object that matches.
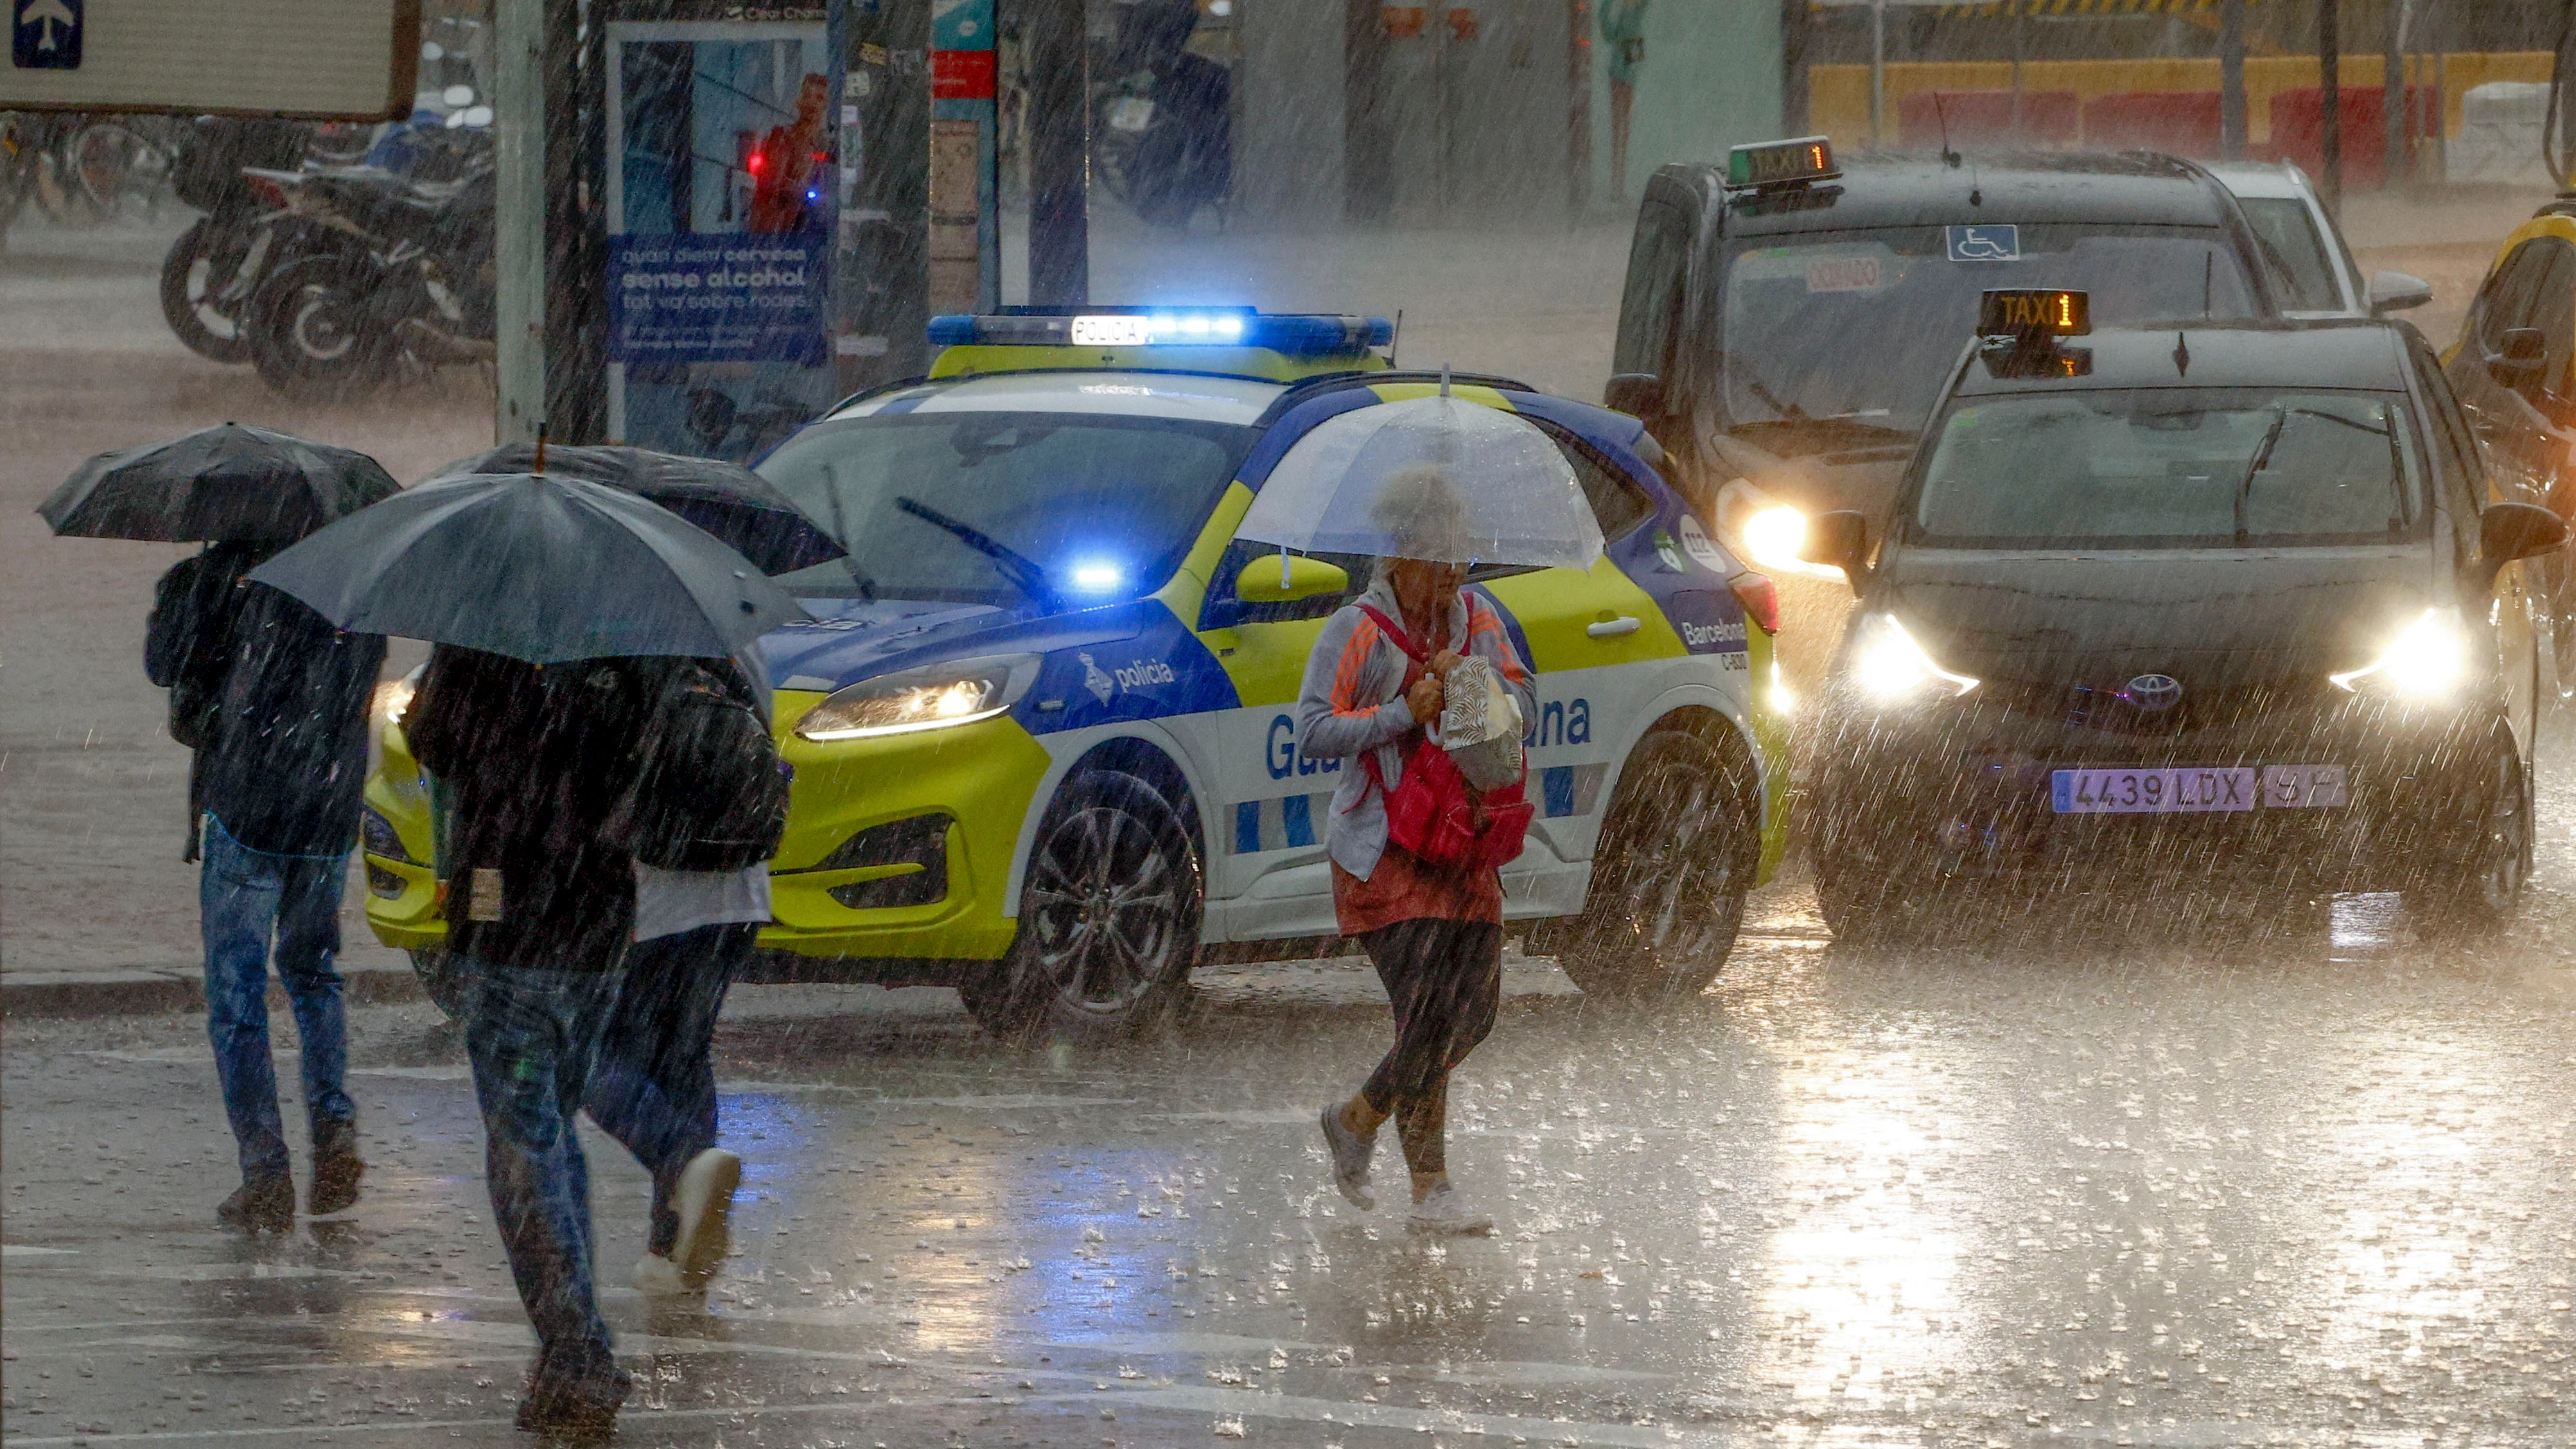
(1617, 502)
(2507, 299)
(1650, 305)
(2553, 311)
(2453, 451)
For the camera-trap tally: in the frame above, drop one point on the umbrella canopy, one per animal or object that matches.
(538, 568)
(747, 511)
(226, 483)
(1436, 478)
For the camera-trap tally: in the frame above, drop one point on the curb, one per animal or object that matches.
(172, 989)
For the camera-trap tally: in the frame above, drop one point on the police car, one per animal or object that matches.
(1043, 717)
(2217, 609)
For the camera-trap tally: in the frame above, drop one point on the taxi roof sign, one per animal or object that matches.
(2035, 312)
(1309, 334)
(1791, 162)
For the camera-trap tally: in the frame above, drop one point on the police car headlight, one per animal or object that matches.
(930, 698)
(1888, 666)
(1766, 531)
(2427, 660)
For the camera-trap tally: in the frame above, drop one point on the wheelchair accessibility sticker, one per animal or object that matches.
(1985, 243)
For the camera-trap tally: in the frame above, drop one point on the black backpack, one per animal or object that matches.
(187, 645)
(710, 793)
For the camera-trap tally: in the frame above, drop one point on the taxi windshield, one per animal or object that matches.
(1842, 339)
(2172, 467)
(1005, 508)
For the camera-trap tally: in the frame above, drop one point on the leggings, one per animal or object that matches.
(1445, 980)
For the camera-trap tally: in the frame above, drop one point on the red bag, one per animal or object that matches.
(1433, 811)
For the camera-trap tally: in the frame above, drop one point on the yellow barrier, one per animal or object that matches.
(1838, 95)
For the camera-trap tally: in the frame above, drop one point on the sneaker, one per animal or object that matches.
(704, 1202)
(1351, 1153)
(1446, 1214)
(336, 1170)
(657, 1277)
(260, 1202)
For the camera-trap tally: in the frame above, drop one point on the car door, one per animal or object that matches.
(2507, 612)
(2525, 425)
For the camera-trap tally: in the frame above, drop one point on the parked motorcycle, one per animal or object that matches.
(1161, 126)
(210, 271)
(408, 286)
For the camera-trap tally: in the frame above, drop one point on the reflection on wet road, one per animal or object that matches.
(2168, 1193)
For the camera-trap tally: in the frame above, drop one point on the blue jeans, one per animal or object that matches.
(245, 897)
(529, 1035)
(653, 1086)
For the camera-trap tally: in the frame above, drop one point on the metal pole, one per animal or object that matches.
(2021, 39)
(2330, 82)
(1877, 72)
(1059, 141)
(2392, 94)
(519, 218)
(2231, 79)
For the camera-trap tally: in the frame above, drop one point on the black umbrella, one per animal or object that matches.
(538, 568)
(222, 483)
(732, 502)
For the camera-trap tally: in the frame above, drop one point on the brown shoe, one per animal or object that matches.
(336, 1169)
(260, 1203)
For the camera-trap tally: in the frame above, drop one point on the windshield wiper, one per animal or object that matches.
(1018, 567)
(2262, 458)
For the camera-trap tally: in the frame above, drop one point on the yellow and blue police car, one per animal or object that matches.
(1042, 720)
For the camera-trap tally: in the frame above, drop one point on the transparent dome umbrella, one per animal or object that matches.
(538, 568)
(222, 484)
(1357, 484)
(747, 511)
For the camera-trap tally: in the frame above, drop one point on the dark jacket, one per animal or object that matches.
(532, 759)
(287, 763)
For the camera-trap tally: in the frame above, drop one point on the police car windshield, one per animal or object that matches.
(1836, 339)
(2172, 467)
(1005, 508)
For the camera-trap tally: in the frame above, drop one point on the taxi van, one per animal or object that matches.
(2227, 613)
(1042, 719)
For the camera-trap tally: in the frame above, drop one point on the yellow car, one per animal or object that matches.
(1042, 721)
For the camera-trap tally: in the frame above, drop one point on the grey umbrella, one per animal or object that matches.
(726, 499)
(228, 483)
(538, 568)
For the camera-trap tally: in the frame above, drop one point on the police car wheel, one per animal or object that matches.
(1109, 917)
(1677, 853)
(440, 980)
(2478, 874)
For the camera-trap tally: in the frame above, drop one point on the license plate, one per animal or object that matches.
(2150, 791)
(2191, 788)
(1131, 113)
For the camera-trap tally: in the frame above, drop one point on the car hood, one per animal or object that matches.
(848, 640)
(2214, 617)
(1862, 479)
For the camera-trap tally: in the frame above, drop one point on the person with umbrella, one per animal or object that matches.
(1430, 487)
(546, 597)
(273, 700)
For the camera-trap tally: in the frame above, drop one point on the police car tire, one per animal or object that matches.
(440, 980)
(1150, 891)
(1678, 851)
(2479, 871)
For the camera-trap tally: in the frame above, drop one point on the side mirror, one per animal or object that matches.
(1260, 581)
(2397, 291)
(2508, 531)
(1638, 394)
(1839, 540)
(2524, 353)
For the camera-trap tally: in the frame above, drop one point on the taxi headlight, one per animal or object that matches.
(1766, 531)
(934, 697)
(1887, 665)
(2427, 660)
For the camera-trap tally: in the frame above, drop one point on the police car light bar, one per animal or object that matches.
(1781, 163)
(2035, 312)
(1302, 334)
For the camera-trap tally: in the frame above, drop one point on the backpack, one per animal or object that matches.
(709, 792)
(187, 644)
(1433, 812)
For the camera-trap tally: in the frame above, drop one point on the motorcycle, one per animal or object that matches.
(1162, 137)
(212, 268)
(408, 286)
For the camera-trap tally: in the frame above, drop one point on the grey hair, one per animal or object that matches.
(1424, 513)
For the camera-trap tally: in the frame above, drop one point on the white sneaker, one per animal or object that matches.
(704, 1202)
(1350, 1153)
(1446, 1214)
(657, 1277)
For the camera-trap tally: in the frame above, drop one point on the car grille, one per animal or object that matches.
(2109, 708)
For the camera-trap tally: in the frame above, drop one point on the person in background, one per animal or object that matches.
(701, 820)
(1623, 35)
(1434, 933)
(540, 906)
(274, 701)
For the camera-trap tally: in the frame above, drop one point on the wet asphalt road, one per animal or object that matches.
(2095, 1190)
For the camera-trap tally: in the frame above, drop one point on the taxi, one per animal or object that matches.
(2234, 612)
(1042, 719)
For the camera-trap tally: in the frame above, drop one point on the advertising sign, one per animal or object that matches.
(721, 194)
(348, 60)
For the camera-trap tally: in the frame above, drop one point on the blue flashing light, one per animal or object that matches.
(1093, 577)
(1301, 334)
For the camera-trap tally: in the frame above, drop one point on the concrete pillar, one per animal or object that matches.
(519, 217)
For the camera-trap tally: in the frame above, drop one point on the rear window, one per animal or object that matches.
(2172, 467)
